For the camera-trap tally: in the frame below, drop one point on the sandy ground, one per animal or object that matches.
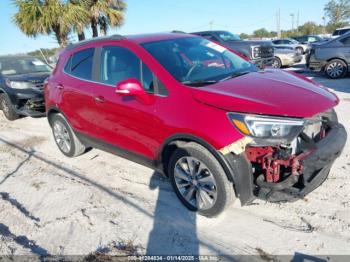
(102, 203)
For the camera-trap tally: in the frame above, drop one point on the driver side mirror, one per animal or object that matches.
(130, 87)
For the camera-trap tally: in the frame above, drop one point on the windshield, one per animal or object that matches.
(293, 41)
(197, 60)
(227, 36)
(22, 65)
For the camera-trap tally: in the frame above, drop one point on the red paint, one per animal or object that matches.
(271, 165)
(142, 125)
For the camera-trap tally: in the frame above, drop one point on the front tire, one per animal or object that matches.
(7, 108)
(67, 142)
(277, 63)
(335, 69)
(199, 180)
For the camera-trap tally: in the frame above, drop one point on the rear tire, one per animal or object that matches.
(65, 138)
(193, 167)
(335, 69)
(7, 108)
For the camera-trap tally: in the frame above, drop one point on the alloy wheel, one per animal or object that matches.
(195, 183)
(335, 69)
(276, 63)
(62, 136)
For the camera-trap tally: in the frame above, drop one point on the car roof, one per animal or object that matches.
(138, 39)
(16, 57)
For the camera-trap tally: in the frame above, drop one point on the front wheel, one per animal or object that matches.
(277, 63)
(199, 180)
(8, 108)
(336, 69)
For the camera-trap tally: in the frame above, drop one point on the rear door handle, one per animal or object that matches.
(60, 87)
(100, 99)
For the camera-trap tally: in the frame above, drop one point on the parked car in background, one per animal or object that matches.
(331, 57)
(21, 86)
(340, 31)
(197, 112)
(308, 39)
(285, 57)
(289, 42)
(258, 52)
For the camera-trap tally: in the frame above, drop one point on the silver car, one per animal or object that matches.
(289, 42)
(285, 57)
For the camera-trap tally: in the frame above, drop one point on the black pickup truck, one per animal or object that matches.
(260, 53)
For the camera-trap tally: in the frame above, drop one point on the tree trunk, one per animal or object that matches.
(94, 28)
(103, 25)
(81, 36)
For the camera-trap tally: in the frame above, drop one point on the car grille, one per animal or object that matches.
(37, 83)
(263, 52)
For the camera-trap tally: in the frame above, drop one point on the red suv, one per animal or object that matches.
(197, 112)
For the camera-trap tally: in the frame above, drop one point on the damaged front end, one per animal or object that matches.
(289, 166)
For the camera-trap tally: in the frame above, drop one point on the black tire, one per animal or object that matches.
(76, 147)
(277, 63)
(225, 194)
(7, 108)
(336, 69)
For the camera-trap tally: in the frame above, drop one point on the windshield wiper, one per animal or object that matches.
(199, 82)
(235, 75)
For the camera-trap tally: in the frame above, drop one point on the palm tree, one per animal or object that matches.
(106, 13)
(36, 17)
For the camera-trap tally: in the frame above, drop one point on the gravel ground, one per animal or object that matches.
(52, 205)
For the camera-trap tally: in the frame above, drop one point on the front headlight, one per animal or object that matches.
(20, 85)
(267, 127)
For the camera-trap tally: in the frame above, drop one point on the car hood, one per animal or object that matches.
(30, 77)
(268, 92)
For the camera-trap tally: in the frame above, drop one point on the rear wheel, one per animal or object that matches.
(65, 139)
(277, 63)
(8, 108)
(200, 181)
(336, 69)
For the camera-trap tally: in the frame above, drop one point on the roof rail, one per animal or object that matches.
(93, 40)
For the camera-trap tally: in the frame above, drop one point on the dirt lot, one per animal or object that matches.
(99, 202)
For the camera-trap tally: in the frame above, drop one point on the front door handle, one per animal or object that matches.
(60, 86)
(100, 99)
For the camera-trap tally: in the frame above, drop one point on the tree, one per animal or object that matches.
(310, 28)
(36, 17)
(244, 36)
(104, 13)
(262, 32)
(337, 11)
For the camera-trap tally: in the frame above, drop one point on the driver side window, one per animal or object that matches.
(118, 64)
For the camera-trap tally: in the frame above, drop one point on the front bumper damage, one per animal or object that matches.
(305, 171)
(28, 102)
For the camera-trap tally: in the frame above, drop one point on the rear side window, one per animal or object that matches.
(80, 64)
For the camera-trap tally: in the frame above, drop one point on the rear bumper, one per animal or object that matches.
(313, 64)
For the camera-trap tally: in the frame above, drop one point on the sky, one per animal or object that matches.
(147, 16)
